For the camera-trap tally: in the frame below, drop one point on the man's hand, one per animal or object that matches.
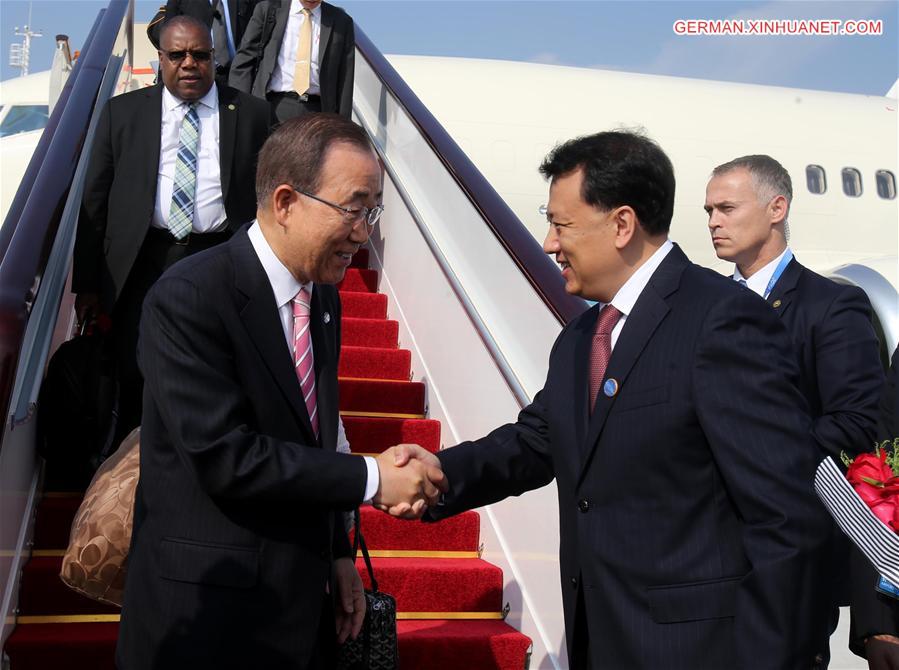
(411, 480)
(349, 608)
(87, 305)
(882, 652)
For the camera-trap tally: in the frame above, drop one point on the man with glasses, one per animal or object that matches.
(840, 373)
(171, 172)
(239, 557)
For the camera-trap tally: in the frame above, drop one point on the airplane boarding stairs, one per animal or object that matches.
(451, 275)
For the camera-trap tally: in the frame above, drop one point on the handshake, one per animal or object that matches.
(411, 481)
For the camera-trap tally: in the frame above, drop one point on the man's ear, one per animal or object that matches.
(283, 200)
(777, 209)
(624, 219)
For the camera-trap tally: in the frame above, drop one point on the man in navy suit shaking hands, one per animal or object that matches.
(673, 426)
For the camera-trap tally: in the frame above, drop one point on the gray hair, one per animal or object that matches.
(769, 179)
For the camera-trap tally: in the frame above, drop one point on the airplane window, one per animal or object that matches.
(815, 178)
(886, 184)
(24, 118)
(852, 182)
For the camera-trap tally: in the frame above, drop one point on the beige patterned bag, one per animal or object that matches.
(94, 562)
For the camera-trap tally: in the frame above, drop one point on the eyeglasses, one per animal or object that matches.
(350, 215)
(201, 56)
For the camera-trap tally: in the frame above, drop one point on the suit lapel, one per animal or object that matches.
(260, 318)
(228, 112)
(278, 31)
(784, 291)
(321, 326)
(582, 348)
(148, 143)
(327, 27)
(648, 312)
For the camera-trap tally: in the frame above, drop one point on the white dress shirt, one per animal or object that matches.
(209, 206)
(758, 282)
(627, 295)
(282, 75)
(285, 287)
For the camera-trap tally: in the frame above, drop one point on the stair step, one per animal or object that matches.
(360, 259)
(447, 644)
(382, 532)
(372, 363)
(54, 520)
(484, 645)
(363, 305)
(369, 332)
(43, 592)
(375, 396)
(369, 435)
(438, 584)
(359, 279)
(418, 584)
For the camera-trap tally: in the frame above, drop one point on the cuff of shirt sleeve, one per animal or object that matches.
(373, 481)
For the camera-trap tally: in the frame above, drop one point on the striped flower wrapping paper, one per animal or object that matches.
(875, 539)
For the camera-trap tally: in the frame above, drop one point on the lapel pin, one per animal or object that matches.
(326, 317)
(610, 388)
(776, 303)
(232, 107)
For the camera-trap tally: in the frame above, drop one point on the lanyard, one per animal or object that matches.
(778, 271)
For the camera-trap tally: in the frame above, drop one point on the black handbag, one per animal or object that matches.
(375, 648)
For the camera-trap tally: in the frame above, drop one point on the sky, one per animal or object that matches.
(632, 36)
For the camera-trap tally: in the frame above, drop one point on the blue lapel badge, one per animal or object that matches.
(610, 388)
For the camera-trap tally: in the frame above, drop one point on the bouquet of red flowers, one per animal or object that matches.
(875, 478)
(865, 505)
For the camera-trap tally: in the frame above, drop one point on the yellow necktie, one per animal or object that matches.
(302, 69)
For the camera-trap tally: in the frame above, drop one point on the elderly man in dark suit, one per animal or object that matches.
(299, 55)
(673, 426)
(170, 173)
(239, 557)
(840, 373)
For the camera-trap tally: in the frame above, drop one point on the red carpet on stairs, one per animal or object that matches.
(449, 600)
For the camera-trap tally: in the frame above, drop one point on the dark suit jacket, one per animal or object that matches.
(120, 186)
(257, 57)
(240, 11)
(236, 520)
(840, 373)
(687, 514)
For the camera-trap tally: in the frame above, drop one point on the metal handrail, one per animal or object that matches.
(525, 251)
(35, 229)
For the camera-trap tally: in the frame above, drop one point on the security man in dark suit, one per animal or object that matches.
(299, 55)
(171, 172)
(840, 373)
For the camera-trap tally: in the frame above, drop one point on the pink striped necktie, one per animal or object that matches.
(302, 354)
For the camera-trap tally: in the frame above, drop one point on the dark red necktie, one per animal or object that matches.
(601, 351)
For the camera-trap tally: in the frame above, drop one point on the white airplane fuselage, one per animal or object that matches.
(507, 116)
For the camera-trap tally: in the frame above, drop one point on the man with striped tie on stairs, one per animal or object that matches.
(240, 558)
(171, 172)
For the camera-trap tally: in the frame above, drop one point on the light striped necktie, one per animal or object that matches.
(181, 211)
(302, 354)
(302, 71)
